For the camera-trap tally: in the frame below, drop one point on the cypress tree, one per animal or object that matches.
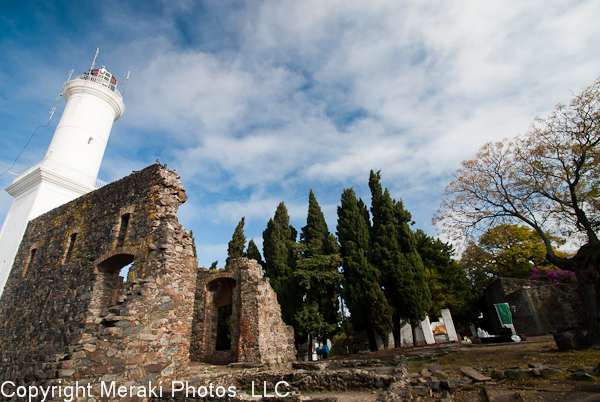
(318, 274)
(395, 255)
(280, 252)
(368, 306)
(417, 297)
(235, 249)
(253, 254)
(193, 244)
(447, 281)
(387, 257)
(315, 233)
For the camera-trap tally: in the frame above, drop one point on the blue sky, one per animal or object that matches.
(258, 102)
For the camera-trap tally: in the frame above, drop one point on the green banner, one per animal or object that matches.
(504, 313)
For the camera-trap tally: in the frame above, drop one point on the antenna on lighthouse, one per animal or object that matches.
(94, 61)
(124, 86)
(60, 96)
(40, 126)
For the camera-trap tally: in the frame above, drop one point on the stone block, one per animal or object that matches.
(473, 374)
(433, 384)
(153, 368)
(448, 384)
(421, 391)
(568, 340)
(433, 367)
(581, 376)
(518, 373)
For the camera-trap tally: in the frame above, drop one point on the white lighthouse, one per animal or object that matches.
(71, 165)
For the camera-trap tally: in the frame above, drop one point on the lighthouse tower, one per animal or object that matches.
(72, 162)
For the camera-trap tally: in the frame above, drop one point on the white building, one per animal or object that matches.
(71, 165)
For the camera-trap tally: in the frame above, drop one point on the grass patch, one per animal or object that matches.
(416, 365)
(519, 354)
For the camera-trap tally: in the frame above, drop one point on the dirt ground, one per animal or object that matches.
(487, 357)
(557, 387)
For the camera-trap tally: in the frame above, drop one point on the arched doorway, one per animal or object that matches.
(216, 328)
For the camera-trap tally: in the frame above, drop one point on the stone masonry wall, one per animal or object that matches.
(541, 307)
(258, 334)
(65, 312)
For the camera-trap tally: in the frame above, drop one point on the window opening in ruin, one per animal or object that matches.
(125, 272)
(70, 247)
(224, 328)
(109, 284)
(123, 230)
(29, 261)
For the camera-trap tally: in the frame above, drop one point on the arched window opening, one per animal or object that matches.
(109, 283)
(29, 262)
(70, 247)
(123, 230)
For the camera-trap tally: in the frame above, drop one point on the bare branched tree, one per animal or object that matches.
(549, 179)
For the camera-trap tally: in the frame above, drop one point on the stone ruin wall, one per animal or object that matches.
(65, 311)
(66, 314)
(541, 307)
(258, 334)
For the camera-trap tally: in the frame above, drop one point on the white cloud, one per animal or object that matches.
(314, 93)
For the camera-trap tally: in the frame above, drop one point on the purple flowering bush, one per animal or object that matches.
(552, 274)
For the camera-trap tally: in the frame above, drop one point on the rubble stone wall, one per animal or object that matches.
(258, 334)
(66, 313)
(540, 307)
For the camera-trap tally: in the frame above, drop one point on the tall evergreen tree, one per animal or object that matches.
(193, 244)
(315, 233)
(417, 296)
(253, 254)
(280, 252)
(395, 255)
(235, 249)
(366, 301)
(318, 274)
(449, 285)
(387, 257)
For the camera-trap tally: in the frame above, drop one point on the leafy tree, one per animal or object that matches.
(548, 179)
(318, 273)
(253, 254)
(235, 249)
(448, 283)
(366, 301)
(280, 252)
(214, 265)
(505, 250)
(395, 255)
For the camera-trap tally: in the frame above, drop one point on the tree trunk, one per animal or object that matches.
(586, 265)
(371, 336)
(587, 282)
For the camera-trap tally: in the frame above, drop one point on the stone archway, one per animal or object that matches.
(217, 330)
(109, 285)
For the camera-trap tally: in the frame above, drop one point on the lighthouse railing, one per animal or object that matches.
(100, 80)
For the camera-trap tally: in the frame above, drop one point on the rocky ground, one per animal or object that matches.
(532, 370)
